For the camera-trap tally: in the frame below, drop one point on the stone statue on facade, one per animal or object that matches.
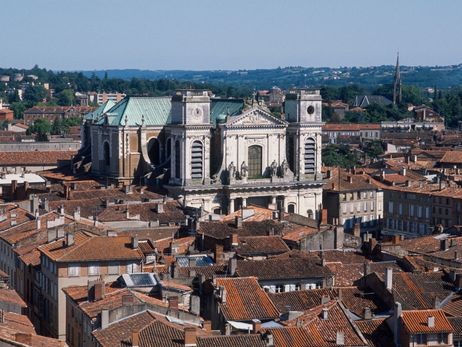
(274, 168)
(231, 170)
(244, 170)
(284, 168)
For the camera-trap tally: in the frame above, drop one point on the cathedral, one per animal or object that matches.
(211, 153)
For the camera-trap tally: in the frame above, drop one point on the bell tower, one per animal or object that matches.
(190, 134)
(303, 110)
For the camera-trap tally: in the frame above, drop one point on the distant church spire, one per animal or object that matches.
(397, 94)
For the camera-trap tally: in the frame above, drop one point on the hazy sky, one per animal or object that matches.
(232, 34)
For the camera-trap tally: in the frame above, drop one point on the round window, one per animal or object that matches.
(310, 109)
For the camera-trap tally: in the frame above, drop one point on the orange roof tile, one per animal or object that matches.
(416, 321)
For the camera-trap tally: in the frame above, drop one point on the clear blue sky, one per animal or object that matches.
(227, 34)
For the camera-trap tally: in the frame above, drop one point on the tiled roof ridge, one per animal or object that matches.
(76, 246)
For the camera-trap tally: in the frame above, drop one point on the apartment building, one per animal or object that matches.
(76, 259)
(352, 198)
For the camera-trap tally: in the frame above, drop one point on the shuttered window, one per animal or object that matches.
(177, 160)
(197, 159)
(310, 156)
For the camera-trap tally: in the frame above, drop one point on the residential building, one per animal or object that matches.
(52, 113)
(334, 133)
(353, 198)
(76, 259)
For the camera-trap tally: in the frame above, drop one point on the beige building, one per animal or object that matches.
(76, 259)
(214, 154)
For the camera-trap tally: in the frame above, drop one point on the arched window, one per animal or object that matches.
(197, 159)
(291, 152)
(168, 148)
(107, 154)
(255, 161)
(177, 160)
(310, 214)
(291, 208)
(310, 156)
(154, 151)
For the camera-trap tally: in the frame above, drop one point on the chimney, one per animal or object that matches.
(269, 339)
(234, 240)
(395, 323)
(444, 244)
(350, 179)
(403, 171)
(431, 321)
(190, 336)
(104, 318)
(456, 255)
(99, 290)
(325, 314)
(340, 338)
(69, 240)
(238, 222)
(256, 325)
(222, 291)
(173, 302)
(134, 242)
(324, 216)
(67, 192)
(232, 265)
(23, 338)
(37, 220)
(135, 338)
(61, 210)
(218, 254)
(367, 313)
(160, 208)
(207, 325)
(325, 299)
(389, 278)
(77, 213)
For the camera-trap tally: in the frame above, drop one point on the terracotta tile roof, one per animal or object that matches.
(337, 321)
(297, 337)
(300, 300)
(113, 299)
(289, 268)
(220, 231)
(59, 109)
(350, 126)
(452, 157)
(88, 248)
(419, 290)
(11, 296)
(416, 321)
(40, 158)
(246, 300)
(356, 301)
(252, 340)
(456, 323)
(261, 245)
(376, 332)
(9, 211)
(258, 214)
(348, 182)
(16, 323)
(159, 333)
(454, 306)
(121, 330)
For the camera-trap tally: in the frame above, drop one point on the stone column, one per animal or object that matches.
(244, 202)
(230, 206)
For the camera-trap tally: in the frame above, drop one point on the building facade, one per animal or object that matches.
(215, 154)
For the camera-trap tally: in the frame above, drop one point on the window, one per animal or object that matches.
(107, 154)
(390, 207)
(197, 159)
(168, 148)
(255, 161)
(310, 156)
(93, 269)
(279, 288)
(291, 208)
(310, 214)
(113, 269)
(177, 159)
(421, 339)
(154, 151)
(73, 270)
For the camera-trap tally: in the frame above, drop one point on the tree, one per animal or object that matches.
(41, 128)
(66, 97)
(34, 95)
(339, 155)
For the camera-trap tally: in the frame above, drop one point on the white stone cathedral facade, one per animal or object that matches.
(214, 154)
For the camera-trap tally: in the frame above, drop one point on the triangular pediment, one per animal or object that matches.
(255, 117)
